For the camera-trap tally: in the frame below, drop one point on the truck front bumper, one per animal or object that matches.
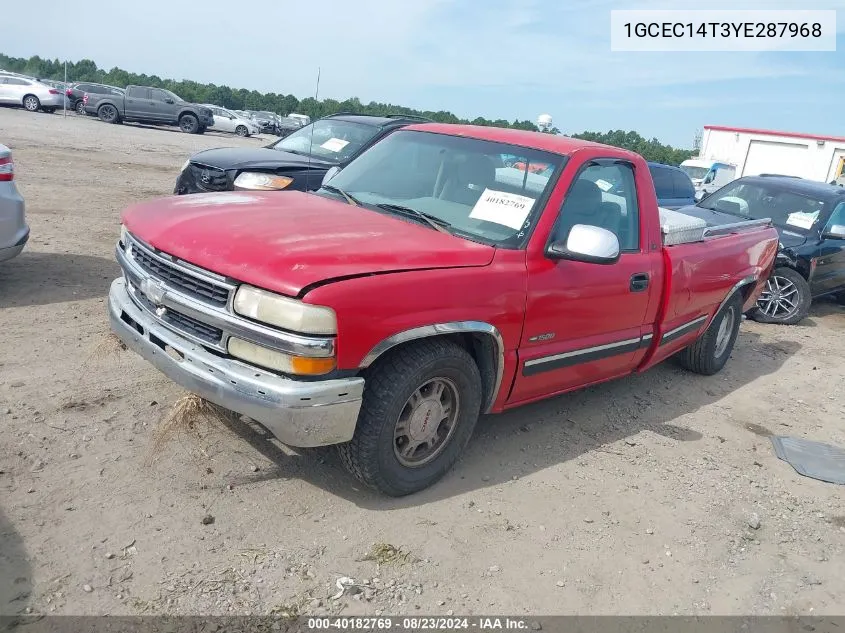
(298, 413)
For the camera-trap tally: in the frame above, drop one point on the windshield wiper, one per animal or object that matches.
(432, 220)
(350, 199)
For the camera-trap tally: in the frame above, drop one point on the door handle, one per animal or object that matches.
(639, 282)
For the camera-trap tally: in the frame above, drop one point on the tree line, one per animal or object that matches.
(284, 104)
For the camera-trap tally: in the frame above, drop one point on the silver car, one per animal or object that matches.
(227, 121)
(14, 231)
(30, 93)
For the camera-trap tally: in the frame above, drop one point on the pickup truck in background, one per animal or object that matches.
(427, 283)
(142, 104)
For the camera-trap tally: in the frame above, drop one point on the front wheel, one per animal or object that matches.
(785, 300)
(241, 130)
(711, 351)
(420, 407)
(80, 108)
(189, 124)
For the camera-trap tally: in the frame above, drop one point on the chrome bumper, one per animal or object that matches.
(298, 413)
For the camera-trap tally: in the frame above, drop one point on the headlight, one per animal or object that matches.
(271, 359)
(185, 166)
(290, 314)
(261, 182)
(124, 236)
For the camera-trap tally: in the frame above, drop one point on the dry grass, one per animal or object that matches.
(387, 554)
(109, 348)
(190, 416)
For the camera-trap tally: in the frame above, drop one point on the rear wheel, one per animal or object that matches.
(189, 124)
(420, 407)
(785, 300)
(31, 103)
(241, 130)
(80, 108)
(108, 114)
(711, 351)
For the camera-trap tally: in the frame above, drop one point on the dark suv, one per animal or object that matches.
(810, 217)
(76, 93)
(297, 162)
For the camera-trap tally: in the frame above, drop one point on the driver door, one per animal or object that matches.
(584, 322)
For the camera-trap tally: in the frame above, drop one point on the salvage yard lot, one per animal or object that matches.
(656, 494)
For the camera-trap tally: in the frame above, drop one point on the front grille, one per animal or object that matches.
(180, 279)
(208, 178)
(192, 326)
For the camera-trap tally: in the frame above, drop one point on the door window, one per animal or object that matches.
(157, 95)
(682, 184)
(591, 201)
(663, 185)
(138, 93)
(837, 217)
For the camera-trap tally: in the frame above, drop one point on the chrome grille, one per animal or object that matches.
(192, 326)
(180, 279)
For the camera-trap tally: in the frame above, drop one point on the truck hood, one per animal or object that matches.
(288, 241)
(255, 158)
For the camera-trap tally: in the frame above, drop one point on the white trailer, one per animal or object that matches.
(756, 152)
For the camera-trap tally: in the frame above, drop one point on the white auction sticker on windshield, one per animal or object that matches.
(334, 144)
(501, 207)
(802, 219)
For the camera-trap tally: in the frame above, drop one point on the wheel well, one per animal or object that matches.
(29, 94)
(483, 349)
(182, 115)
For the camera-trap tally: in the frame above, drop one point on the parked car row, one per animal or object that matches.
(31, 93)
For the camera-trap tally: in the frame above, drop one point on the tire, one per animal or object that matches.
(241, 131)
(31, 103)
(787, 286)
(711, 351)
(189, 124)
(375, 453)
(80, 108)
(108, 113)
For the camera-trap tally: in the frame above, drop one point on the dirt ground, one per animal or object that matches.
(656, 494)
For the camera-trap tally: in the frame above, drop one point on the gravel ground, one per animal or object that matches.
(656, 494)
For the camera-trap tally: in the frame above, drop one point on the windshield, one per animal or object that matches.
(787, 209)
(696, 173)
(334, 141)
(461, 182)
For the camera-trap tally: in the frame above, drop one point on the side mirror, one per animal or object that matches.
(168, 100)
(331, 173)
(835, 232)
(586, 243)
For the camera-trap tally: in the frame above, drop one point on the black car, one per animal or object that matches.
(810, 217)
(76, 93)
(297, 162)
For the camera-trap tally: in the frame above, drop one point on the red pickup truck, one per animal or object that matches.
(425, 284)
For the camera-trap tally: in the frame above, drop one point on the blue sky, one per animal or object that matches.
(493, 58)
